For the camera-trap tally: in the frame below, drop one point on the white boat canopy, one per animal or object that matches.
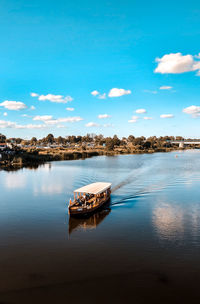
(94, 188)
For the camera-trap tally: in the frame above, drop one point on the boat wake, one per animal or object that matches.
(133, 176)
(153, 187)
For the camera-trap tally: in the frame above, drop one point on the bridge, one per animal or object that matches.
(182, 143)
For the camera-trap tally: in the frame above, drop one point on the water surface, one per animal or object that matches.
(144, 246)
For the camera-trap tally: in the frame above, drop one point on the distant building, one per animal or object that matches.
(9, 145)
(90, 145)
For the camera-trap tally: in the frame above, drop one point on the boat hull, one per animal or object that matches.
(84, 212)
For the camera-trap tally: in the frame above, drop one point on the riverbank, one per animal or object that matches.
(35, 158)
(32, 158)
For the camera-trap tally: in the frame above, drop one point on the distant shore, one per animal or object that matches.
(32, 158)
(16, 153)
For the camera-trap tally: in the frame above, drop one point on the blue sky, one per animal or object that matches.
(65, 50)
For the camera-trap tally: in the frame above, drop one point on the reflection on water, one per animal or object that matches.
(87, 223)
(17, 168)
(52, 188)
(149, 235)
(168, 221)
(15, 181)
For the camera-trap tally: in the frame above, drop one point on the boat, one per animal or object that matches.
(89, 199)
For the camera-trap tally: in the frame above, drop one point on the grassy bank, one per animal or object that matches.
(33, 158)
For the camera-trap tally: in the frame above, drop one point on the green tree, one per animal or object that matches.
(33, 141)
(60, 140)
(116, 140)
(109, 144)
(147, 144)
(131, 138)
(49, 139)
(2, 138)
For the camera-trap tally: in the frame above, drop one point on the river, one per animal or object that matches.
(143, 247)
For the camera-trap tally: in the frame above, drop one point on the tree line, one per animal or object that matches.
(97, 140)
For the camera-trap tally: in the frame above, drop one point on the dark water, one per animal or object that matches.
(144, 247)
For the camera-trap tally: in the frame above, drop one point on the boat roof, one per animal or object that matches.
(94, 188)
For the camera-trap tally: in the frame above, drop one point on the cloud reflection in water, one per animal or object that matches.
(168, 221)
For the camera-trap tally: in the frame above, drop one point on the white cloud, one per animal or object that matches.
(6, 124)
(165, 88)
(32, 108)
(95, 93)
(133, 119)
(43, 117)
(140, 111)
(31, 126)
(166, 116)
(34, 95)
(147, 118)
(9, 124)
(176, 63)
(46, 119)
(13, 105)
(70, 119)
(102, 96)
(5, 114)
(49, 120)
(192, 110)
(52, 122)
(118, 92)
(107, 125)
(151, 92)
(62, 120)
(53, 98)
(92, 124)
(101, 116)
(70, 109)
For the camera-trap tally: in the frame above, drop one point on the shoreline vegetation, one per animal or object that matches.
(16, 153)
